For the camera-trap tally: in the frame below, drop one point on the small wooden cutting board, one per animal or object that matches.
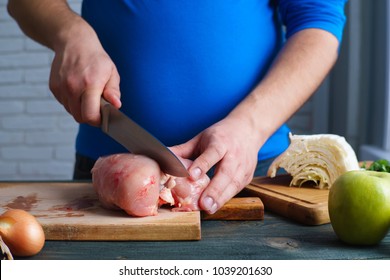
(304, 204)
(72, 211)
(238, 209)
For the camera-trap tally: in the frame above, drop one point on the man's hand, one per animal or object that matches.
(232, 146)
(81, 73)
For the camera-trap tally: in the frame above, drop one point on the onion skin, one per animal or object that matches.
(22, 233)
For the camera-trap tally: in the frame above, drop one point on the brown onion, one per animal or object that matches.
(22, 233)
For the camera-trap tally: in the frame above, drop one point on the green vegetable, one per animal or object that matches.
(380, 165)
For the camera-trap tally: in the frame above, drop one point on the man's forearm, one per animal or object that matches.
(297, 72)
(49, 22)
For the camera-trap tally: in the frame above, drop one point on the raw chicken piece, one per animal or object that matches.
(136, 184)
(187, 192)
(127, 181)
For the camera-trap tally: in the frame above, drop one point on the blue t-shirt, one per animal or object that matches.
(184, 65)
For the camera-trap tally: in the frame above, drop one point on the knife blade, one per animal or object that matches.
(139, 141)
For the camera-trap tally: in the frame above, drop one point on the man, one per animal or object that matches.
(214, 80)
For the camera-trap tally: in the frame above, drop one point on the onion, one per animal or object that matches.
(22, 233)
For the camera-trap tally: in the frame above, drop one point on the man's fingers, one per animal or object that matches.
(206, 160)
(230, 178)
(185, 150)
(111, 92)
(224, 185)
(90, 107)
(90, 98)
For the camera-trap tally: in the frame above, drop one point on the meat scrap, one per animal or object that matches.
(136, 184)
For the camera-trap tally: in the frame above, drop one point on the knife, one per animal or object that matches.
(138, 141)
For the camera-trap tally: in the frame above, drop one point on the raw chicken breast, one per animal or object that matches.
(136, 184)
(127, 181)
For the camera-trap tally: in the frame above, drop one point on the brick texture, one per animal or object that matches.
(36, 133)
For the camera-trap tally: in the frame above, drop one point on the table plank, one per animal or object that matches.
(273, 238)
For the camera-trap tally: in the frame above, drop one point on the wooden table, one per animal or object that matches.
(274, 238)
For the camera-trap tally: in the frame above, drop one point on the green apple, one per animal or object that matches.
(359, 206)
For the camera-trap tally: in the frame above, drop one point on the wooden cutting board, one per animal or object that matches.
(304, 204)
(71, 211)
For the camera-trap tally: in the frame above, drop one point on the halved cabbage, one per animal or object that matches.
(319, 158)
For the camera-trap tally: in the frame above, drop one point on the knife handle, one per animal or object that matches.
(105, 114)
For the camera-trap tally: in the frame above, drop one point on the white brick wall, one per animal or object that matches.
(36, 133)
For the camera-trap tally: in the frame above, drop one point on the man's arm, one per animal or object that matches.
(48, 22)
(81, 71)
(297, 72)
